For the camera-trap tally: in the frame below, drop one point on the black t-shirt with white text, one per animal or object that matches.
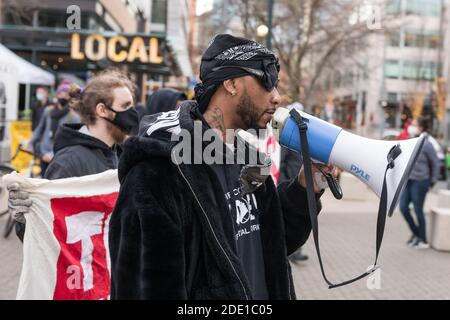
(245, 214)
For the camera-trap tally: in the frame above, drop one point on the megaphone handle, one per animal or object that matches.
(333, 184)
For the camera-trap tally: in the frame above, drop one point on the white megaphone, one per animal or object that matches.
(364, 158)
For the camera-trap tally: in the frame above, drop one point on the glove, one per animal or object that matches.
(19, 202)
(253, 176)
(320, 180)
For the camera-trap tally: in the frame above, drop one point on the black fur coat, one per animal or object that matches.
(168, 236)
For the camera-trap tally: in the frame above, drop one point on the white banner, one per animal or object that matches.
(65, 249)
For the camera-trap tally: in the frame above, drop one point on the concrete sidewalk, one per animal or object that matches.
(10, 263)
(347, 238)
(347, 235)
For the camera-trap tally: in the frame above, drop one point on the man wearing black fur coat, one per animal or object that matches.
(193, 229)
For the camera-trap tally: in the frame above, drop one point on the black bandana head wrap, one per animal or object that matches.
(229, 57)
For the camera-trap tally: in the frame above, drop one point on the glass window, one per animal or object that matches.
(52, 19)
(416, 70)
(394, 7)
(432, 40)
(392, 69)
(394, 39)
(410, 39)
(422, 39)
(410, 70)
(428, 71)
(58, 19)
(392, 96)
(426, 8)
(159, 12)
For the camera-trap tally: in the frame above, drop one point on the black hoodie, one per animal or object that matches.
(171, 236)
(78, 154)
(164, 100)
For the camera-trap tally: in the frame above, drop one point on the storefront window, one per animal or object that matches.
(52, 19)
(89, 21)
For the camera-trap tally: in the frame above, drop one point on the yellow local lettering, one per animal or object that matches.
(98, 47)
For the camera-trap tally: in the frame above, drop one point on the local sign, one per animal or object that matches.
(119, 48)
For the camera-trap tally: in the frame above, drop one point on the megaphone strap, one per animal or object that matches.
(382, 209)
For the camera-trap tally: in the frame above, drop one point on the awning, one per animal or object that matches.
(27, 73)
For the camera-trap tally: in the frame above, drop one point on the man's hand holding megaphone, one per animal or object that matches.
(320, 180)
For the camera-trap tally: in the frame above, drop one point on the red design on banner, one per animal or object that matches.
(79, 226)
(270, 147)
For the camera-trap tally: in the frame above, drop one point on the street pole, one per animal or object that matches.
(269, 23)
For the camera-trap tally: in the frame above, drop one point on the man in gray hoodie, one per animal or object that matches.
(423, 176)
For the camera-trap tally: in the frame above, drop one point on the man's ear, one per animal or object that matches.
(101, 109)
(230, 87)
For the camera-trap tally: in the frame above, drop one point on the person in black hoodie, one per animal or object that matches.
(106, 108)
(164, 100)
(199, 230)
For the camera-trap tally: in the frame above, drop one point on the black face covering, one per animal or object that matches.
(125, 120)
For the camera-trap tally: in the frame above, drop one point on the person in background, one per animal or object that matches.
(405, 134)
(140, 107)
(91, 147)
(164, 100)
(424, 175)
(43, 137)
(39, 105)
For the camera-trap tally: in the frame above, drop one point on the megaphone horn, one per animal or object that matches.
(364, 158)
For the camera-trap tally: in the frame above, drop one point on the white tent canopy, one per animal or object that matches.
(27, 73)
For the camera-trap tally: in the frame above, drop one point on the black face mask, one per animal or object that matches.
(63, 102)
(125, 120)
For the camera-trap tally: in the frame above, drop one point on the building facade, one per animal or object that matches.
(74, 39)
(394, 74)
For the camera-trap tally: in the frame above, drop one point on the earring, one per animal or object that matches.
(233, 93)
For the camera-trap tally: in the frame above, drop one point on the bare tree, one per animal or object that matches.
(308, 34)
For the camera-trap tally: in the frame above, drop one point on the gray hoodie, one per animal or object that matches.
(427, 165)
